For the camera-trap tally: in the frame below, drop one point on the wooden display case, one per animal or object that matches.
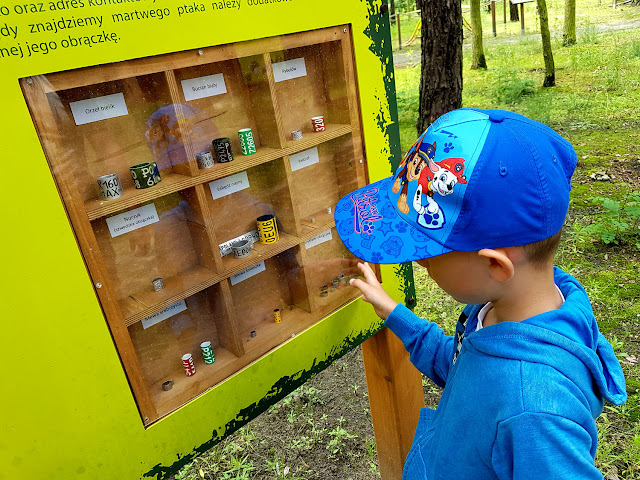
(207, 296)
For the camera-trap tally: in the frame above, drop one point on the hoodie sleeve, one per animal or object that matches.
(542, 445)
(430, 350)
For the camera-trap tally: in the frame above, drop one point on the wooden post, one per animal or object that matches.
(522, 18)
(493, 17)
(504, 11)
(395, 397)
(399, 33)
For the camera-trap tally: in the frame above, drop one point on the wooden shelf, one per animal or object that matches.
(186, 388)
(311, 139)
(322, 220)
(240, 163)
(259, 253)
(145, 66)
(340, 296)
(97, 208)
(270, 334)
(140, 305)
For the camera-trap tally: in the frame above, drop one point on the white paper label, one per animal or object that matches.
(225, 248)
(304, 159)
(228, 185)
(100, 108)
(168, 312)
(248, 273)
(203, 87)
(289, 69)
(318, 239)
(132, 220)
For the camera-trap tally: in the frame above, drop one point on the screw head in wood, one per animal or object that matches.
(98, 285)
(168, 385)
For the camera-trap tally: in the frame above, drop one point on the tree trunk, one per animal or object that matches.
(441, 72)
(418, 4)
(477, 52)
(513, 12)
(550, 69)
(569, 35)
(392, 11)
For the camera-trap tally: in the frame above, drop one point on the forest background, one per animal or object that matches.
(323, 430)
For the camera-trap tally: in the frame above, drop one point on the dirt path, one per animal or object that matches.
(411, 56)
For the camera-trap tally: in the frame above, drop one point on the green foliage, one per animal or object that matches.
(610, 457)
(589, 34)
(338, 437)
(280, 471)
(619, 222)
(224, 463)
(509, 88)
(593, 106)
(370, 446)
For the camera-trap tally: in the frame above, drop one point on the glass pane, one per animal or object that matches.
(201, 188)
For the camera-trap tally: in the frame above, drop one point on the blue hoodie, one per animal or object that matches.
(521, 399)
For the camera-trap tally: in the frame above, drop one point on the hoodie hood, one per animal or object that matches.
(567, 339)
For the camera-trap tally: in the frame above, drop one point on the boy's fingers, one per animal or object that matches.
(369, 276)
(361, 285)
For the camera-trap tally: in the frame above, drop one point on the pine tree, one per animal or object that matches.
(569, 34)
(441, 69)
(477, 53)
(550, 69)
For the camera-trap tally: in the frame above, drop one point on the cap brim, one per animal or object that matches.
(370, 227)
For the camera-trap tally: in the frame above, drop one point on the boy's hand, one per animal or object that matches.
(373, 292)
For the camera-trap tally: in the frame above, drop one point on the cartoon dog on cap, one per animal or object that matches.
(441, 178)
(412, 164)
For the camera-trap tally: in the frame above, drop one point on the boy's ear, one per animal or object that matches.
(501, 266)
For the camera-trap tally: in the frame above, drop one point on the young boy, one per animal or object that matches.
(527, 372)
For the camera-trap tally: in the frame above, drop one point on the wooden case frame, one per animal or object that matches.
(226, 313)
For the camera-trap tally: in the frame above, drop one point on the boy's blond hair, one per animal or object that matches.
(541, 253)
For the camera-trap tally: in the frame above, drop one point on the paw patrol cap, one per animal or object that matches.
(475, 179)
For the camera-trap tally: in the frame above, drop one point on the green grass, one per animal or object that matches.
(323, 430)
(408, 23)
(594, 105)
(590, 16)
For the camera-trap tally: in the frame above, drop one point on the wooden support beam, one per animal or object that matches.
(395, 397)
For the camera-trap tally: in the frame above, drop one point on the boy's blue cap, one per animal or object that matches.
(475, 179)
